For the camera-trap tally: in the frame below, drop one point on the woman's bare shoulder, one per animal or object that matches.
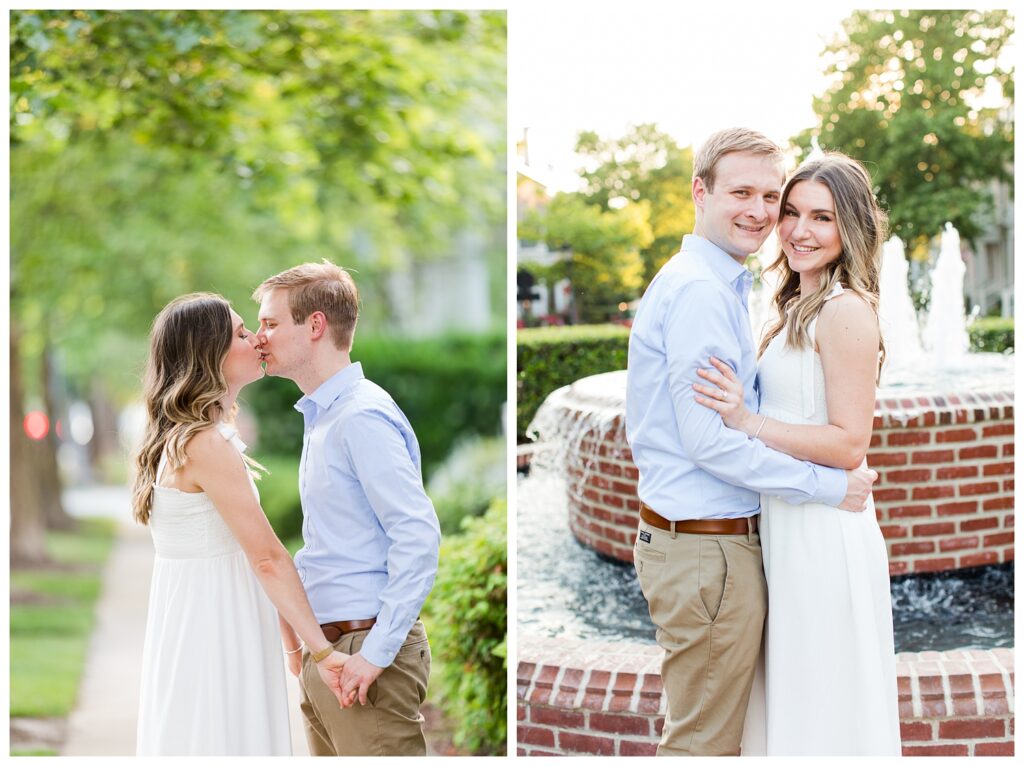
(849, 310)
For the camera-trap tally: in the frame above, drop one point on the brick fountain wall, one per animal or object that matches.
(944, 500)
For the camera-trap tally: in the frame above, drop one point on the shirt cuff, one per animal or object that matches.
(833, 486)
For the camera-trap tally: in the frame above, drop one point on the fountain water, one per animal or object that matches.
(897, 318)
(945, 334)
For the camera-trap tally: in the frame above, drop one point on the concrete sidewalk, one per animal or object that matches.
(104, 720)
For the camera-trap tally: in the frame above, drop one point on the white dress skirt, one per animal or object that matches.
(828, 681)
(212, 679)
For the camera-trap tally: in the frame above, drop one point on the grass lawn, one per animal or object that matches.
(52, 618)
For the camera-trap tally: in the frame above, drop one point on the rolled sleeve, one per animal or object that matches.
(723, 452)
(385, 458)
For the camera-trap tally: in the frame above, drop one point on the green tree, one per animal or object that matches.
(601, 250)
(643, 165)
(159, 152)
(906, 98)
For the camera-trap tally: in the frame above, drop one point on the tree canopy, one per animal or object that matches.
(925, 99)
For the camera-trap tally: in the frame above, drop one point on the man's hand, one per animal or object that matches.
(858, 487)
(330, 670)
(356, 678)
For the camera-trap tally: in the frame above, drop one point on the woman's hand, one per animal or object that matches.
(725, 396)
(294, 663)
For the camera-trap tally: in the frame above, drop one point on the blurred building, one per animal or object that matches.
(988, 283)
(537, 300)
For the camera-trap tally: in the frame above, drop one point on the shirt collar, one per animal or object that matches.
(720, 262)
(331, 389)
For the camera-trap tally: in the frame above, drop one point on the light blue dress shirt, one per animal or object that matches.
(371, 534)
(691, 465)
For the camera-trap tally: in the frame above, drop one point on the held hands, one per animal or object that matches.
(725, 396)
(330, 670)
(356, 678)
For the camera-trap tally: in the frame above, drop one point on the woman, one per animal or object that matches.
(830, 678)
(212, 677)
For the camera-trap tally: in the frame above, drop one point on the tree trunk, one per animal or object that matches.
(46, 461)
(105, 442)
(28, 529)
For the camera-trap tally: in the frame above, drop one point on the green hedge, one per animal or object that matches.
(468, 614)
(448, 387)
(279, 496)
(548, 358)
(991, 334)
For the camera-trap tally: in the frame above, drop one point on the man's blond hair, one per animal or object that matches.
(725, 142)
(319, 287)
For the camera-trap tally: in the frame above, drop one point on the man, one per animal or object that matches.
(698, 554)
(370, 533)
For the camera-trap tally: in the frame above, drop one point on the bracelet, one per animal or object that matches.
(322, 653)
(292, 651)
(764, 420)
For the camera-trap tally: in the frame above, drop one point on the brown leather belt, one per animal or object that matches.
(335, 630)
(700, 526)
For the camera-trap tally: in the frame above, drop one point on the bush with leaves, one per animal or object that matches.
(468, 614)
(551, 357)
(468, 480)
(992, 334)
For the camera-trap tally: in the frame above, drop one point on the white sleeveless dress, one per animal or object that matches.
(212, 678)
(829, 683)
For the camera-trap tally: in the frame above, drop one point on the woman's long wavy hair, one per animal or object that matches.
(183, 386)
(863, 227)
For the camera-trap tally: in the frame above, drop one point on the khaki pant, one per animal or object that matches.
(708, 598)
(390, 723)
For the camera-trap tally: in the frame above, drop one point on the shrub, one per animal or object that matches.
(469, 629)
(279, 495)
(991, 334)
(448, 387)
(548, 358)
(468, 480)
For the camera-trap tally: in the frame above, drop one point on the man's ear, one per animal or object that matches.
(317, 323)
(698, 190)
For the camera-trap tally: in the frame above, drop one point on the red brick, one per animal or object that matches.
(993, 748)
(547, 676)
(933, 493)
(1008, 485)
(999, 429)
(934, 565)
(956, 435)
(889, 495)
(552, 716)
(535, 735)
(972, 728)
(935, 750)
(625, 683)
(945, 528)
(998, 503)
(1008, 450)
(897, 567)
(958, 544)
(982, 450)
(981, 488)
(955, 509)
(900, 438)
(957, 472)
(883, 459)
(1003, 538)
(620, 724)
(979, 559)
(972, 525)
(998, 469)
(908, 477)
(933, 456)
(889, 532)
(907, 511)
(921, 546)
(583, 743)
(915, 731)
(637, 748)
(1008, 520)
(875, 440)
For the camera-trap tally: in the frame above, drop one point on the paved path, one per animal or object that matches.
(103, 722)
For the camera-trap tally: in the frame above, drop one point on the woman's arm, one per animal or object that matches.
(292, 646)
(847, 341)
(215, 466)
